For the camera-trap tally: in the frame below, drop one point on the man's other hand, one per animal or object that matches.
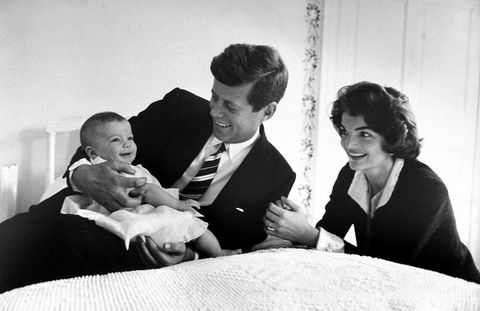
(155, 256)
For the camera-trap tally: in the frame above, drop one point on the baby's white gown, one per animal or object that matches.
(161, 223)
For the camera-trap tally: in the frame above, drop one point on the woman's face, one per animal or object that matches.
(363, 145)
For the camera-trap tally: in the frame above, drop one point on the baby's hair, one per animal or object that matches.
(88, 128)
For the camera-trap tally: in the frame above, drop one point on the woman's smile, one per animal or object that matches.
(356, 156)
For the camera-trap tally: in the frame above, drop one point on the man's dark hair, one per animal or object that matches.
(239, 64)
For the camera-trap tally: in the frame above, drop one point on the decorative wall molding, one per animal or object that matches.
(314, 20)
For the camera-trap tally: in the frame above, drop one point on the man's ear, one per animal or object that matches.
(90, 152)
(269, 111)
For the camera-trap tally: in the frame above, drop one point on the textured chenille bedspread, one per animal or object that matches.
(281, 279)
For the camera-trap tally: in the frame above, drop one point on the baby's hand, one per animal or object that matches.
(188, 205)
(193, 203)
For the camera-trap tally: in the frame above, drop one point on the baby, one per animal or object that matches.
(108, 136)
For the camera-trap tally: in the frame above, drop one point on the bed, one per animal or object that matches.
(276, 279)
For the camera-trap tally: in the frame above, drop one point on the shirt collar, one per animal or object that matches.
(231, 148)
(98, 160)
(358, 190)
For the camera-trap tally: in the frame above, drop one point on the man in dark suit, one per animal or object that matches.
(174, 136)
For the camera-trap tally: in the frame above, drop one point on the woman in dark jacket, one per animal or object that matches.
(399, 207)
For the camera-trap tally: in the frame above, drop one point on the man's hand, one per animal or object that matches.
(154, 256)
(103, 183)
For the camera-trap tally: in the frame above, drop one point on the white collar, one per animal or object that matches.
(358, 190)
(231, 148)
(98, 160)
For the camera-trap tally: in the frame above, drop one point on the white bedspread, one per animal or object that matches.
(282, 279)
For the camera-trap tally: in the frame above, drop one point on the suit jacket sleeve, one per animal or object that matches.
(336, 218)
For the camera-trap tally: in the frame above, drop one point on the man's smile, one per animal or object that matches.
(222, 124)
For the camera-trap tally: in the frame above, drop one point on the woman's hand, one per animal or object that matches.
(154, 256)
(284, 220)
(104, 183)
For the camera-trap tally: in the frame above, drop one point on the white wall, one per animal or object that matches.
(62, 59)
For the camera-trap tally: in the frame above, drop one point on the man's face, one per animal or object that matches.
(234, 120)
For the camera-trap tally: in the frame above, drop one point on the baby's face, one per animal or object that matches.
(114, 141)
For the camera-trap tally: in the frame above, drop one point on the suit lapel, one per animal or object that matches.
(254, 167)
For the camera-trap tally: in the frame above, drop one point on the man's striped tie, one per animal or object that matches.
(200, 183)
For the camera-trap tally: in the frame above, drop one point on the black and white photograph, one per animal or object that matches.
(240, 155)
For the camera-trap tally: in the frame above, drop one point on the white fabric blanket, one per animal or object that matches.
(162, 223)
(282, 279)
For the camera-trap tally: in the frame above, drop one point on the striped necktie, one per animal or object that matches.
(200, 183)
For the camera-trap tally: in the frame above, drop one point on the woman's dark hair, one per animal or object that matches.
(244, 63)
(385, 110)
